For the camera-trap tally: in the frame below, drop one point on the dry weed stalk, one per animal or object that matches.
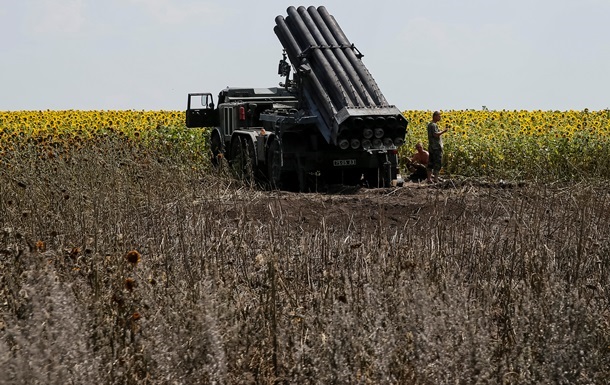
(232, 285)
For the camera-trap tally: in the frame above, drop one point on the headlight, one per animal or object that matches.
(387, 142)
(399, 142)
(344, 144)
(377, 143)
(367, 133)
(355, 143)
(366, 144)
(379, 133)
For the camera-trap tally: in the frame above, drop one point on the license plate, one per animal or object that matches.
(344, 162)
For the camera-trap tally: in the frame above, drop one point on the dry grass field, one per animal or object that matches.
(121, 265)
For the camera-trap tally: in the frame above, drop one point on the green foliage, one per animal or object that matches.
(530, 145)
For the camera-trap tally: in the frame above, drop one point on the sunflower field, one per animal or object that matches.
(60, 133)
(539, 145)
(542, 145)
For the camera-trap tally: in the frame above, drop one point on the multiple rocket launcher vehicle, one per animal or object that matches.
(330, 124)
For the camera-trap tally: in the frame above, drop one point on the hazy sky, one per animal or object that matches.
(425, 55)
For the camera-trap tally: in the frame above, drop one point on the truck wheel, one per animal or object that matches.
(242, 155)
(215, 147)
(280, 178)
(274, 165)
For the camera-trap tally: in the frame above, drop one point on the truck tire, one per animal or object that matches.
(274, 165)
(215, 147)
(279, 178)
(242, 159)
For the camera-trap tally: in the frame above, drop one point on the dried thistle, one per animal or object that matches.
(41, 247)
(130, 284)
(133, 257)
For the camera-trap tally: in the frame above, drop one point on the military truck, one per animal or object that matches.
(329, 124)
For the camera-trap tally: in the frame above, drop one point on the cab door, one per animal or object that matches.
(200, 111)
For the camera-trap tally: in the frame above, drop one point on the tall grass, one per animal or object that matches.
(469, 285)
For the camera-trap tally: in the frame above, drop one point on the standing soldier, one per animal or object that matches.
(435, 147)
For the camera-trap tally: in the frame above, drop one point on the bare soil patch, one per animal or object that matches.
(390, 207)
